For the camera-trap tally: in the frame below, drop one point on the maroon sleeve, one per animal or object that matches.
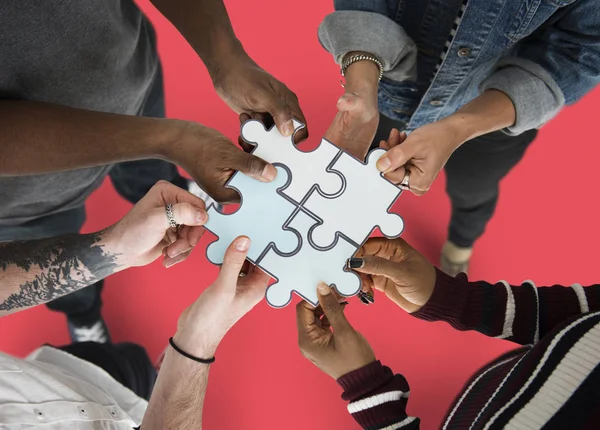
(521, 314)
(377, 398)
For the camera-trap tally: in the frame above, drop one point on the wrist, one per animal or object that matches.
(225, 57)
(362, 77)
(196, 344)
(111, 245)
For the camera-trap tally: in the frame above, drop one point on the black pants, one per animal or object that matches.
(473, 173)
(127, 363)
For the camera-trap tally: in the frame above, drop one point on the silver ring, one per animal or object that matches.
(170, 216)
(405, 181)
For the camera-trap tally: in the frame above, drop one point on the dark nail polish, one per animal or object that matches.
(369, 297)
(356, 263)
(363, 299)
(344, 303)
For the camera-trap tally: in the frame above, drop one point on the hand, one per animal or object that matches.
(395, 268)
(211, 159)
(145, 233)
(335, 353)
(247, 88)
(203, 324)
(353, 128)
(424, 153)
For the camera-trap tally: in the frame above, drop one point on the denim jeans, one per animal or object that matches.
(132, 180)
(473, 173)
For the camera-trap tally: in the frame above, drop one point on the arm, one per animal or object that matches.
(522, 314)
(358, 28)
(558, 64)
(240, 82)
(177, 400)
(377, 398)
(42, 138)
(36, 272)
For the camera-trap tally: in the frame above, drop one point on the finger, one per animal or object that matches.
(396, 157)
(332, 308)
(171, 235)
(234, 258)
(305, 317)
(195, 234)
(244, 117)
(171, 261)
(377, 266)
(166, 192)
(180, 246)
(183, 213)
(253, 166)
(397, 176)
(282, 114)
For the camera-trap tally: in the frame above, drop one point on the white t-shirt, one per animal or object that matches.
(52, 389)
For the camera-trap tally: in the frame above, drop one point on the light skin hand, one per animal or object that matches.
(178, 397)
(203, 324)
(327, 339)
(428, 148)
(144, 234)
(355, 124)
(396, 269)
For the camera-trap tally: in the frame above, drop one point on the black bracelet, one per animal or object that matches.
(191, 357)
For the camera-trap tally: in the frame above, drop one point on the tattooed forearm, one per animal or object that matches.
(38, 271)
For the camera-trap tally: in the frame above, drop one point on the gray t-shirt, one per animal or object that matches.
(91, 54)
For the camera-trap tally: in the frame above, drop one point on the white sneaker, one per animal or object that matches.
(95, 333)
(455, 259)
(195, 189)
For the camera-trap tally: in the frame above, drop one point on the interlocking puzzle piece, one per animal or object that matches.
(309, 168)
(363, 205)
(261, 216)
(309, 266)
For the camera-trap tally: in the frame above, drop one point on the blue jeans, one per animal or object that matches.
(132, 180)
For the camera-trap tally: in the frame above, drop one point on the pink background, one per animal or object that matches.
(545, 229)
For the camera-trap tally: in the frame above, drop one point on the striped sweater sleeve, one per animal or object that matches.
(377, 398)
(522, 314)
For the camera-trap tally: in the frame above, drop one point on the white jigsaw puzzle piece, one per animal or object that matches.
(309, 168)
(304, 270)
(362, 206)
(262, 209)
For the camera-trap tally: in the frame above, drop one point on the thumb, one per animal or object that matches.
(332, 308)
(184, 213)
(234, 258)
(373, 265)
(347, 102)
(396, 157)
(253, 166)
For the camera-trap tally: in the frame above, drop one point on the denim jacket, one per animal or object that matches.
(541, 53)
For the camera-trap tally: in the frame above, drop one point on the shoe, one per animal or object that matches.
(97, 332)
(195, 189)
(455, 259)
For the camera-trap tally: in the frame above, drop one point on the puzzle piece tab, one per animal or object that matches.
(309, 266)
(309, 168)
(261, 216)
(362, 206)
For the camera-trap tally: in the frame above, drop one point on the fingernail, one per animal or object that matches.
(242, 244)
(201, 216)
(344, 303)
(343, 98)
(384, 164)
(288, 128)
(174, 254)
(369, 296)
(269, 172)
(324, 289)
(363, 299)
(356, 263)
